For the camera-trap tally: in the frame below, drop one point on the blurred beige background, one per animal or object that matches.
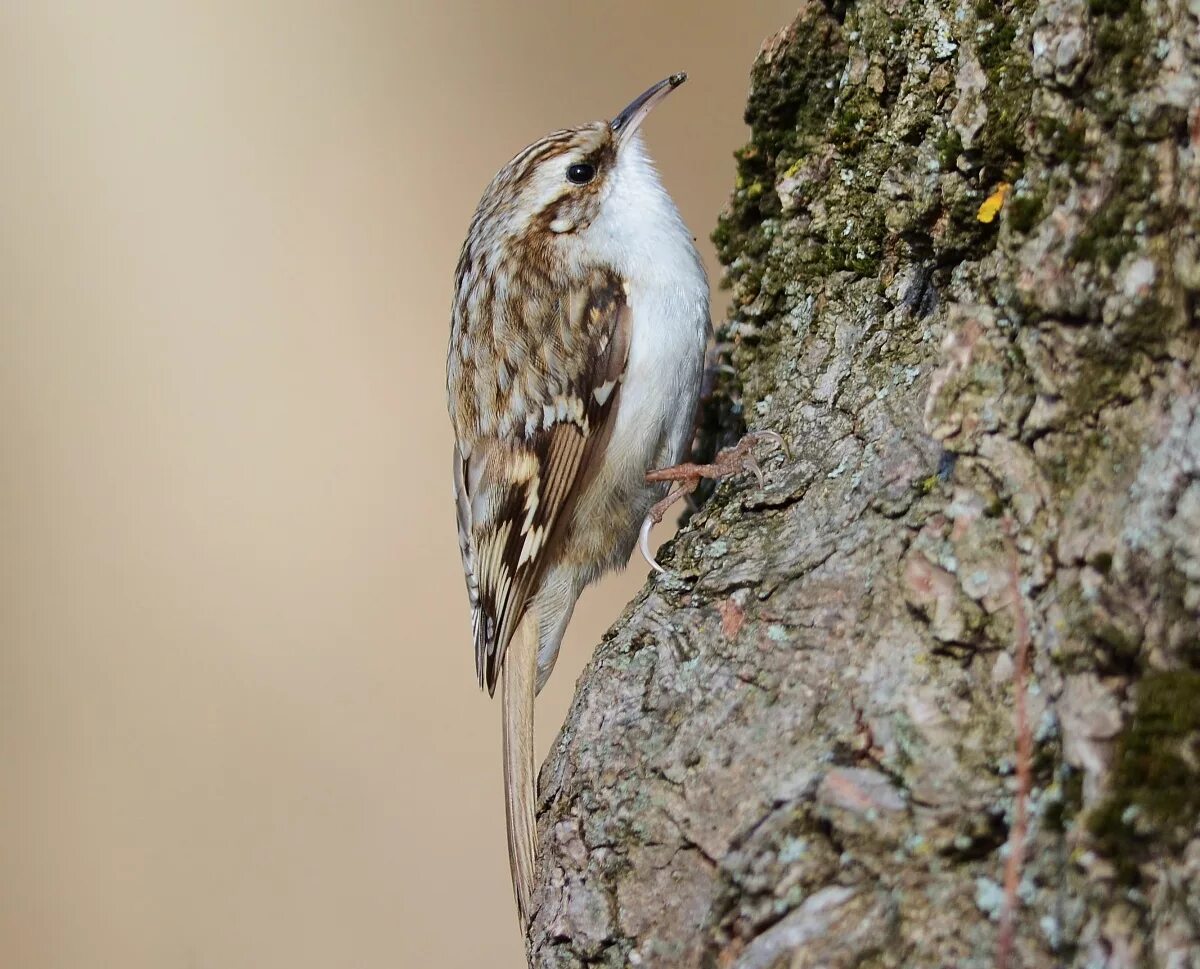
(239, 725)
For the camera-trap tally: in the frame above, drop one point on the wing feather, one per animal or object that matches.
(514, 494)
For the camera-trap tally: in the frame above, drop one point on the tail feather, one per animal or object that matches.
(518, 687)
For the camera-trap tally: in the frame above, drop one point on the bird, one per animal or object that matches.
(578, 332)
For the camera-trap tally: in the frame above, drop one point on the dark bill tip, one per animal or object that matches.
(627, 122)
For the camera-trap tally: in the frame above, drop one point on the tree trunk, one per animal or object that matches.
(965, 260)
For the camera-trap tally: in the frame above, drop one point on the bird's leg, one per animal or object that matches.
(731, 460)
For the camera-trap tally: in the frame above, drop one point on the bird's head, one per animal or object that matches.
(558, 186)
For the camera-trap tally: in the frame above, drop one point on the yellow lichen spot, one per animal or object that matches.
(993, 203)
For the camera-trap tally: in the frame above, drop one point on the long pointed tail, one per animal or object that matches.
(517, 686)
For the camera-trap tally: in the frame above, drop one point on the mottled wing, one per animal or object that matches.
(514, 493)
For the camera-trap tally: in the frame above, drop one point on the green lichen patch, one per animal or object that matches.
(1000, 148)
(791, 99)
(1155, 787)
(1024, 211)
(1122, 44)
(949, 147)
(1063, 141)
(1112, 8)
(1001, 145)
(1004, 56)
(818, 112)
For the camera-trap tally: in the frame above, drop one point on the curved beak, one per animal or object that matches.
(628, 121)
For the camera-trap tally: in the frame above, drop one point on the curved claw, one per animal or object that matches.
(775, 438)
(644, 544)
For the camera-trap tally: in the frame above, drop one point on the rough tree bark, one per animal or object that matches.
(965, 260)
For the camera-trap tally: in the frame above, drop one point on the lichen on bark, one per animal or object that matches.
(797, 748)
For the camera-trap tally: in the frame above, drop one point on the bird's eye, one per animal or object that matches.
(581, 174)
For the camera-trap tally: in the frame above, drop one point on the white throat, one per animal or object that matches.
(639, 231)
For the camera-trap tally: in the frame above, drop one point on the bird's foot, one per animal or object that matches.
(685, 477)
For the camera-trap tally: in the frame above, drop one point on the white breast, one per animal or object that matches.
(641, 233)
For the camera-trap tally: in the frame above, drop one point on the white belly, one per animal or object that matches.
(658, 398)
(656, 410)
